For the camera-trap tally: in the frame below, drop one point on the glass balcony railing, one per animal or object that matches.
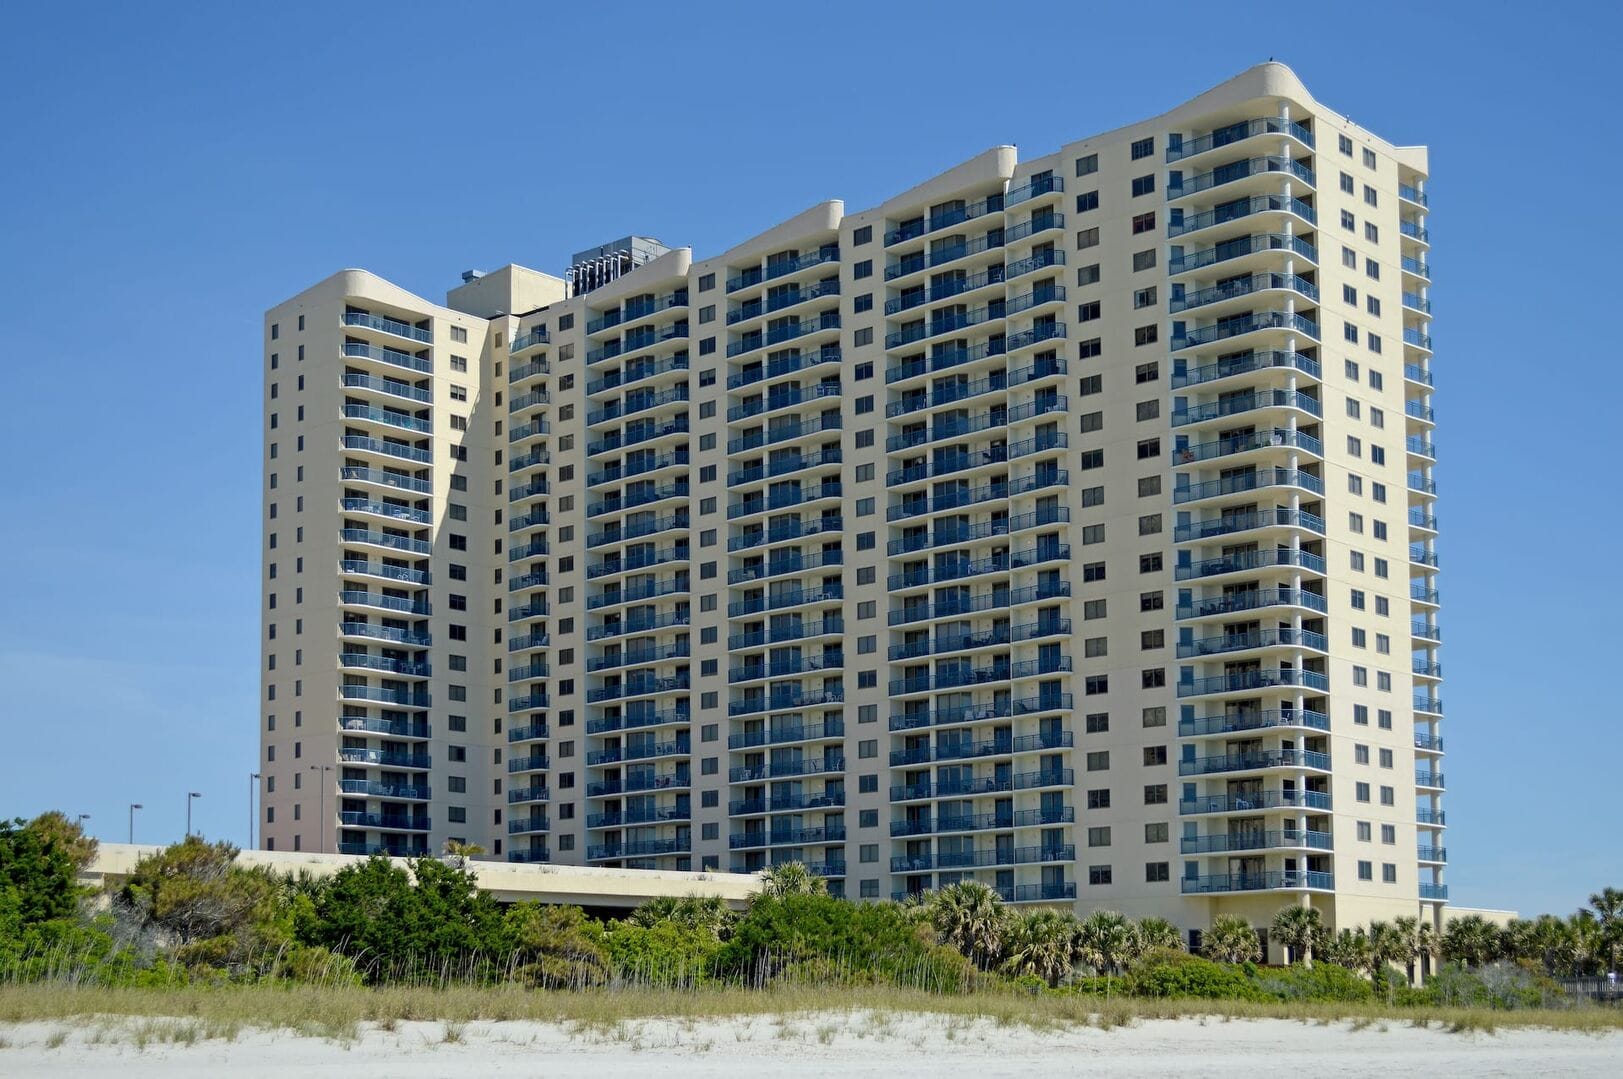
(1234, 404)
(1244, 324)
(1241, 208)
(1252, 720)
(391, 386)
(1252, 801)
(536, 336)
(1243, 482)
(1242, 287)
(1239, 170)
(387, 325)
(362, 350)
(1179, 149)
(1232, 523)
(1255, 761)
(1257, 839)
(364, 444)
(1435, 892)
(385, 539)
(1291, 880)
(1239, 248)
(1248, 681)
(1246, 363)
(1248, 561)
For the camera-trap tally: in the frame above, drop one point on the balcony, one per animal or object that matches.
(366, 444)
(1250, 681)
(964, 749)
(814, 732)
(787, 769)
(778, 566)
(779, 533)
(642, 750)
(363, 351)
(1041, 260)
(1252, 323)
(644, 848)
(384, 633)
(1235, 404)
(518, 795)
(1251, 600)
(386, 822)
(1238, 211)
(1250, 562)
(1435, 892)
(1247, 642)
(1001, 821)
(352, 566)
(1425, 778)
(1243, 287)
(394, 387)
(785, 702)
(754, 807)
(383, 663)
(639, 721)
(1242, 483)
(369, 788)
(1255, 761)
(402, 698)
(1256, 840)
(1033, 188)
(394, 728)
(785, 667)
(1253, 801)
(1233, 523)
(913, 719)
(1240, 248)
(972, 787)
(787, 837)
(1292, 880)
(1241, 722)
(1246, 129)
(1240, 170)
(1229, 367)
(387, 325)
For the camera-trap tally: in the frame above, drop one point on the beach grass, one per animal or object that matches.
(197, 1012)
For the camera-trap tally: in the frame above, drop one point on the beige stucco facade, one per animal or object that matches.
(1063, 523)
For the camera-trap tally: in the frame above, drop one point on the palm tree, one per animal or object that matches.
(1231, 940)
(1348, 948)
(1607, 906)
(1106, 942)
(1588, 942)
(458, 853)
(690, 911)
(1038, 942)
(791, 878)
(1419, 939)
(1516, 940)
(1298, 928)
(1157, 933)
(969, 916)
(1386, 946)
(1470, 940)
(1553, 944)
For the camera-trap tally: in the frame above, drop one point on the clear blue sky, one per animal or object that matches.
(169, 171)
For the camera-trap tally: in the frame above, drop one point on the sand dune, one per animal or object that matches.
(835, 1043)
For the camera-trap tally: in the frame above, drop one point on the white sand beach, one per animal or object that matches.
(769, 1047)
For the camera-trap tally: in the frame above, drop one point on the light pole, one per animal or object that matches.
(253, 785)
(82, 818)
(190, 796)
(133, 807)
(323, 769)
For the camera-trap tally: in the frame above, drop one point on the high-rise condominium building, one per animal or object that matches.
(1063, 524)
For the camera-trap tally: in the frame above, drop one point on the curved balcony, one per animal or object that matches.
(1238, 404)
(522, 795)
(1241, 210)
(789, 331)
(795, 701)
(1237, 523)
(757, 806)
(1245, 483)
(371, 788)
(1245, 364)
(398, 481)
(650, 781)
(1254, 801)
(961, 750)
(392, 387)
(386, 664)
(1273, 881)
(1272, 167)
(350, 567)
(983, 785)
(1249, 562)
(828, 730)
(641, 848)
(786, 769)
(1241, 289)
(1243, 248)
(1226, 331)
(639, 721)
(975, 822)
(787, 837)
(1260, 760)
(1256, 720)
(1252, 681)
(360, 350)
(1041, 260)
(1231, 134)
(638, 687)
(1229, 446)
(785, 667)
(782, 367)
(827, 626)
(394, 511)
(384, 324)
(1283, 838)
(639, 751)
(914, 718)
(1256, 640)
(1256, 599)
(416, 729)
(622, 818)
(405, 452)
(351, 598)
(382, 758)
(384, 633)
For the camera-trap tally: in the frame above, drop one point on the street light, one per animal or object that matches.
(253, 784)
(323, 769)
(133, 807)
(82, 818)
(190, 795)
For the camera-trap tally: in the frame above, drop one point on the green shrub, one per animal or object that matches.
(1324, 981)
(666, 953)
(1191, 976)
